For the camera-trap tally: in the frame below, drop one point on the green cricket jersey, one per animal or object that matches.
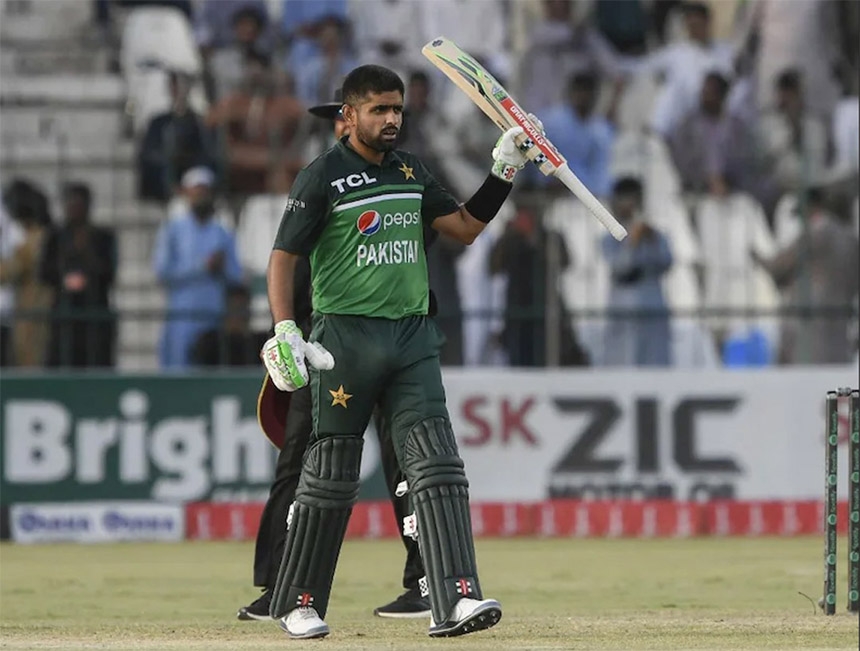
(361, 225)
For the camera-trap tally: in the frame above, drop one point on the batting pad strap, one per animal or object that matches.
(440, 498)
(327, 491)
(487, 201)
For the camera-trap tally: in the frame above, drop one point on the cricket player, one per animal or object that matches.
(286, 420)
(357, 212)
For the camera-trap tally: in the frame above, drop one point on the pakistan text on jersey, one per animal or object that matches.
(396, 252)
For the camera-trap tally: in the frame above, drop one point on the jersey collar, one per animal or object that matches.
(389, 159)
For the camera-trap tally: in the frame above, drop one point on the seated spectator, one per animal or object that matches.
(711, 147)
(793, 141)
(79, 263)
(817, 274)
(28, 207)
(195, 260)
(214, 25)
(324, 71)
(522, 254)
(638, 333)
(300, 22)
(258, 129)
(174, 142)
(233, 344)
(683, 66)
(582, 136)
(226, 66)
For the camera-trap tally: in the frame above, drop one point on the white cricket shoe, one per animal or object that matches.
(304, 623)
(468, 616)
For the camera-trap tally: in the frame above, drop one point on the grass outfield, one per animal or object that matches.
(556, 594)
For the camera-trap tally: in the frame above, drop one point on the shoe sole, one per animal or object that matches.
(310, 635)
(481, 619)
(417, 614)
(244, 616)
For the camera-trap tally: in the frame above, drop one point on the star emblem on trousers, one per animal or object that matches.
(339, 397)
(407, 172)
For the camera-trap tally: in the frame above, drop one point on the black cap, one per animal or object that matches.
(329, 111)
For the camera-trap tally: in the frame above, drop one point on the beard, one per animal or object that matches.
(376, 143)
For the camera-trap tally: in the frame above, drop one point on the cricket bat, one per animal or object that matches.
(474, 80)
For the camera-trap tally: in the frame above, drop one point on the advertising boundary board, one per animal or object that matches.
(525, 436)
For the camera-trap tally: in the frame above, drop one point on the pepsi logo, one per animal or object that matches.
(369, 222)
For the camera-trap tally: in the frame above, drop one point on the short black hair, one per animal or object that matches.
(249, 12)
(699, 8)
(788, 79)
(628, 185)
(80, 190)
(721, 80)
(370, 79)
(582, 80)
(420, 76)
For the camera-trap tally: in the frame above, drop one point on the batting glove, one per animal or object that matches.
(509, 157)
(284, 356)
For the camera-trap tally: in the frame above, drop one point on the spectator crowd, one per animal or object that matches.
(756, 98)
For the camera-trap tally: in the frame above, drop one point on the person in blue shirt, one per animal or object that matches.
(195, 260)
(582, 136)
(638, 333)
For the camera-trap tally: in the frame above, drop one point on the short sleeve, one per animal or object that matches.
(437, 201)
(305, 214)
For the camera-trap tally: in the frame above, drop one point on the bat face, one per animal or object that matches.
(492, 98)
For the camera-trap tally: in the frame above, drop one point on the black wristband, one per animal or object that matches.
(486, 202)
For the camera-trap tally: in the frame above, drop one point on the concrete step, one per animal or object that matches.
(139, 335)
(53, 57)
(75, 90)
(76, 124)
(136, 244)
(58, 150)
(41, 20)
(111, 186)
(137, 360)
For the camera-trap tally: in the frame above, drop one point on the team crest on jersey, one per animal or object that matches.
(369, 222)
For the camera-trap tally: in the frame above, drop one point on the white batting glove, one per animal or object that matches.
(508, 158)
(284, 356)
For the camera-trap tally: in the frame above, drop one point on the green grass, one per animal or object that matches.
(556, 594)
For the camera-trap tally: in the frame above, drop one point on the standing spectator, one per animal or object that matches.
(233, 344)
(29, 208)
(818, 275)
(324, 71)
(259, 131)
(638, 332)
(195, 260)
(711, 147)
(387, 33)
(174, 142)
(793, 140)
(557, 47)
(226, 66)
(683, 66)
(522, 254)
(803, 35)
(582, 136)
(11, 239)
(79, 263)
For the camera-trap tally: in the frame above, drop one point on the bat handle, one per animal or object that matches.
(597, 209)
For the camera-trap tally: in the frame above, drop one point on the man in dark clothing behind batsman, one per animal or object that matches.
(358, 213)
(295, 409)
